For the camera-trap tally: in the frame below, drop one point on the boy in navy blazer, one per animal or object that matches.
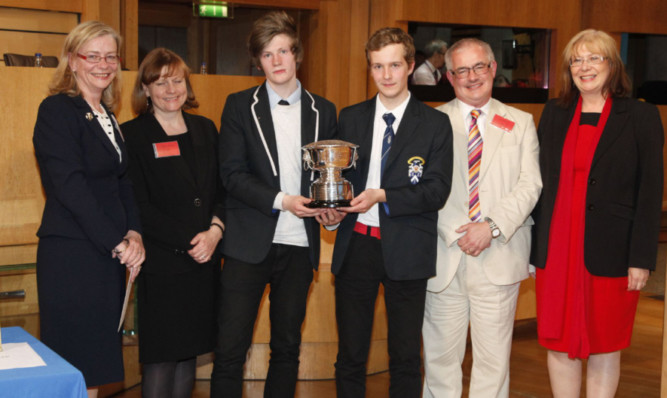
(389, 236)
(271, 236)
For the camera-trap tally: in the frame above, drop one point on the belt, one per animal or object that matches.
(366, 230)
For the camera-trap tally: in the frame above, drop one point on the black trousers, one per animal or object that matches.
(357, 286)
(289, 272)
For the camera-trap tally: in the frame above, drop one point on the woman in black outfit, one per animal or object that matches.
(173, 165)
(90, 231)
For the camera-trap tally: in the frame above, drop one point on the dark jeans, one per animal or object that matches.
(289, 271)
(357, 286)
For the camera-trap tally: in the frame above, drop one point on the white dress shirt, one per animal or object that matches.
(371, 217)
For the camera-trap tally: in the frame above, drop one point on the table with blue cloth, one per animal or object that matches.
(57, 379)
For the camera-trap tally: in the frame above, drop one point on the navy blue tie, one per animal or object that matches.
(387, 138)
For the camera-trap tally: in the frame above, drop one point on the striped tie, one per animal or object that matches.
(474, 161)
(389, 118)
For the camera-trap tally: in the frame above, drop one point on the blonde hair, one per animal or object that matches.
(596, 41)
(150, 70)
(64, 80)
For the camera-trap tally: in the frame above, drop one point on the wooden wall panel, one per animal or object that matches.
(130, 31)
(299, 4)
(36, 20)
(30, 43)
(21, 199)
(646, 16)
(335, 64)
(519, 13)
(27, 32)
(52, 5)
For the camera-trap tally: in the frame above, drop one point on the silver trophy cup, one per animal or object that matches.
(330, 158)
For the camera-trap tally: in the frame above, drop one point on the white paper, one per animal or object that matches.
(19, 355)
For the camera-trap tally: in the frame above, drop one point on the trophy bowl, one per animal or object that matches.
(330, 158)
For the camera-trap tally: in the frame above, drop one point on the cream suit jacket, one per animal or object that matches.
(509, 187)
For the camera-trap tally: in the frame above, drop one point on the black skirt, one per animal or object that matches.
(80, 299)
(178, 312)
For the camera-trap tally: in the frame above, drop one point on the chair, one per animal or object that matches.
(48, 61)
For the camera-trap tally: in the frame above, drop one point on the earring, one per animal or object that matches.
(148, 102)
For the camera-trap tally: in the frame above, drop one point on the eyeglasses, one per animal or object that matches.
(594, 59)
(112, 59)
(479, 69)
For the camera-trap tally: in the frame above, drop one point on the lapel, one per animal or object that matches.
(559, 133)
(492, 136)
(201, 152)
(364, 131)
(264, 123)
(460, 137)
(618, 117)
(309, 119)
(86, 113)
(156, 134)
(404, 135)
(309, 133)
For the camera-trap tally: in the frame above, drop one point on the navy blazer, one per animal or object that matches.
(409, 229)
(251, 175)
(624, 192)
(176, 203)
(88, 193)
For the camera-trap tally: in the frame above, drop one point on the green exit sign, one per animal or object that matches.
(212, 10)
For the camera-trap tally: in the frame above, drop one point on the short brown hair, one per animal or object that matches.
(64, 80)
(597, 41)
(150, 70)
(386, 36)
(269, 26)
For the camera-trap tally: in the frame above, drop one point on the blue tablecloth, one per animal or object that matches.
(58, 379)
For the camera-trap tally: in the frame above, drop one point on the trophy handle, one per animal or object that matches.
(307, 160)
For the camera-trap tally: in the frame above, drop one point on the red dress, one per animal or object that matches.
(597, 312)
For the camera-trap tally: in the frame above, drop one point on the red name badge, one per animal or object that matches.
(502, 123)
(166, 149)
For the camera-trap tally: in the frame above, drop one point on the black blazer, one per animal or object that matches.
(176, 204)
(409, 231)
(88, 194)
(250, 172)
(624, 193)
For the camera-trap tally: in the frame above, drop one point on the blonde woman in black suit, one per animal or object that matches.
(173, 165)
(90, 229)
(598, 219)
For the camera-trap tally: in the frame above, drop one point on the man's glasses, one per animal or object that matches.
(479, 69)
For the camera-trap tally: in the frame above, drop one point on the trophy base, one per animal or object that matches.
(319, 204)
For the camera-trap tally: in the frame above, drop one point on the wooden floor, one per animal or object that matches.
(640, 369)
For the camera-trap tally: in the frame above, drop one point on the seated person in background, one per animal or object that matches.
(428, 74)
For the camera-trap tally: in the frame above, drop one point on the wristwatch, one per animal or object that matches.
(495, 231)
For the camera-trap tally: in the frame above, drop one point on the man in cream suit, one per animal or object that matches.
(483, 229)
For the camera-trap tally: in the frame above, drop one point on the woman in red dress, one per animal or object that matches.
(598, 219)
